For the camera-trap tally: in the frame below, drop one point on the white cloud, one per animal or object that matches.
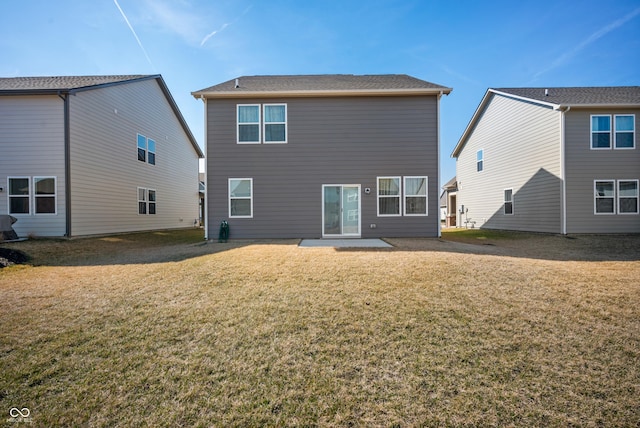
(565, 57)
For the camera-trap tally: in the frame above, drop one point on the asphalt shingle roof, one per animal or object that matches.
(320, 83)
(611, 95)
(52, 83)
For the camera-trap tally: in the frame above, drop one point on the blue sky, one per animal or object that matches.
(467, 45)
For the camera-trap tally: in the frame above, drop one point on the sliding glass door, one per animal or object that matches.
(341, 210)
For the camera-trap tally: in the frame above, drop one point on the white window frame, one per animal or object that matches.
(637, 197)
(250, 197)
(398, 196)
(27, 196)
(54, 196)
(480, 161)
(596, 197)
(138, 136)
(150, 202)
(615, 132)
(591, 132)
(149, 151)
(144, 200)
(265, 123)
(510, 201)
(405, 196)
(259, 123)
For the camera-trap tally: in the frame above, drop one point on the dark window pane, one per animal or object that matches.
(604, 205)
(389, 206)
(508, 208)
(240, 207)
(416, 205)
(601, 140)
(249, 133)
(45, 205)
(628, 205)
(274, 133)
(152, 158)
(18, 186)
(142, 155)
(480, 166)
(18, 205)
(142, 207)
(624, 140)
(152, 208)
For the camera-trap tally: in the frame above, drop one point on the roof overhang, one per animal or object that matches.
(323, 93)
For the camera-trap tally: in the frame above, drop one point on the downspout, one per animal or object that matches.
(206, 167)
(67, 164)
(438, 157)
(563, 206)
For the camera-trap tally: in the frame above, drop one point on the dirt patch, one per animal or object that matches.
(10, 257)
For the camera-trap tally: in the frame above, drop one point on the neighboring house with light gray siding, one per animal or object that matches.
(87, 155)
(558, 160)
(323, 156)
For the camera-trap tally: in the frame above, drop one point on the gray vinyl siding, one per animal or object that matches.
(105, 172)
(351, 140)
(584, 165)
(521, 145)
(32, 145)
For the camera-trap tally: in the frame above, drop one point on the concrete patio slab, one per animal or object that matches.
(345, 243)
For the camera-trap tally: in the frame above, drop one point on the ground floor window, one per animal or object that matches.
(388, 196)
(508, 201)
(415, 196)
(146, 201)
(616, 197)
(241, 197)
(29, 195)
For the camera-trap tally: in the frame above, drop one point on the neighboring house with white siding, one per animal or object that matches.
(87, 155)
(323, 156)
(558, 160)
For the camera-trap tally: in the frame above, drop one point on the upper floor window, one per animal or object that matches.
(256, 126)
(275, 123)
(249, 123)
(619, 136)
(146, 149)
(600, 132)
(625, 131)
(480, 160)
(388, 196)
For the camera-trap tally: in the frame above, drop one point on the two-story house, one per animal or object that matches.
(558, 160)
(323, 156)
(86, 155)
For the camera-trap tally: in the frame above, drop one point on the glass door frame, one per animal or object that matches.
(359, 214)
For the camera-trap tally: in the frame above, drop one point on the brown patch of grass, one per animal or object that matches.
(267, 333)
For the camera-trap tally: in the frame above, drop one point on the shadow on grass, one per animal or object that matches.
(175, 246)
(522, 245)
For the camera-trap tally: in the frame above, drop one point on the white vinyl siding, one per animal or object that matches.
(103, 128)
(523, 142)
(32, 141)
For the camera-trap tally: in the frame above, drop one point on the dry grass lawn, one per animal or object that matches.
(476, 329)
